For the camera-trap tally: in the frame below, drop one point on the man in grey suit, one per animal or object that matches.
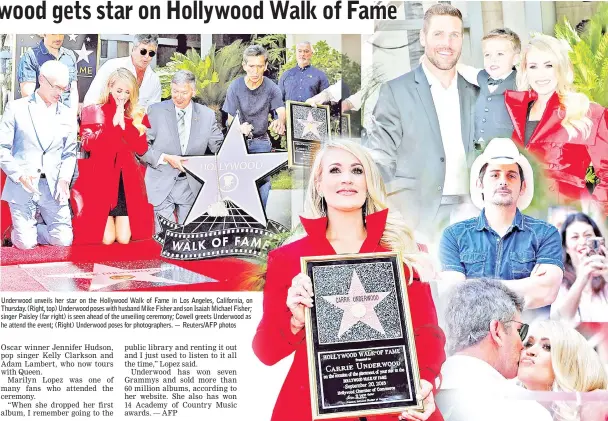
(38, 156)
(422, 128)
(180, 128)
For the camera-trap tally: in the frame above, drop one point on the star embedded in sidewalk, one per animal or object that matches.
(310, 126)
(72, 37)
(358, 306)
(232, 175)
(104, 276)
(83, 53)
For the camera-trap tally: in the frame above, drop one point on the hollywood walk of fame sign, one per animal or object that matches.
(307, 128)
(86, 49)
(359, 335)
(227, 217)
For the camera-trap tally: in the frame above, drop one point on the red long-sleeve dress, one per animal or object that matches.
(112, 156)
(274, 341)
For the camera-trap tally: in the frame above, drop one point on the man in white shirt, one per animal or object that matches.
(179, 127)
(422, 124)
(485, 337)
(144, 50)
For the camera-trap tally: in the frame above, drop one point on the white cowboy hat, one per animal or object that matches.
(502, 151)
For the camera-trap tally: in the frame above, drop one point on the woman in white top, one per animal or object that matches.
(583, 296)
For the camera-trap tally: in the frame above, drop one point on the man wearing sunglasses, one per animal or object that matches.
(142, 54)
(485, 339)
(38, 156)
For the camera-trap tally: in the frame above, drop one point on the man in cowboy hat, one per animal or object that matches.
(502, 243)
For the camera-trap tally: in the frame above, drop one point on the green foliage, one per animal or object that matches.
(589, 55)
(332, 62)
(281, 181)
(256, 279)
(280, 139)
(192, 61)
(214, 73)
(275, 45)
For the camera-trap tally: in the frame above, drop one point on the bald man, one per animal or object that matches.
(38, 156)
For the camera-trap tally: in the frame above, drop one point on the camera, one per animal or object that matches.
(595, 245)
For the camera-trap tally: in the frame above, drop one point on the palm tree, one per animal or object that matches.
(228, 63)
(589, 54)
(589, 57)
(214, 73)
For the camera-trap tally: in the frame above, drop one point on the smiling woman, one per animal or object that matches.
(560, 126)
(346, 212)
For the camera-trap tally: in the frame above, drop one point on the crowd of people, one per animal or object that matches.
(448, 152)
(123, 124)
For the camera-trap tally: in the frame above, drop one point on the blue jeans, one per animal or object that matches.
(259, 145)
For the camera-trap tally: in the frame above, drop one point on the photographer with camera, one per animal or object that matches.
(583, 296)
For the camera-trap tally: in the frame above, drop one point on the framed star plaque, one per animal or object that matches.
(345, 125)
(361, 353)
(307, 128)
(86, 49)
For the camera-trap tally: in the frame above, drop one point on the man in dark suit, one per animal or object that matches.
(422, 128)
(180, 128)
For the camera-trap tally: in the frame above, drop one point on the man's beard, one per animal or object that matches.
(442, 66)
(502, 200)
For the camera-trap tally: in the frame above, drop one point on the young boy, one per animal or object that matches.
(501, 49)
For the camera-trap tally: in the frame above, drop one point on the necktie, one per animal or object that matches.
(181, 129)
(494, 82)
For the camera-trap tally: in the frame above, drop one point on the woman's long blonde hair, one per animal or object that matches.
(574, 104)
(397, 236)
(133, 110)
(576, 365)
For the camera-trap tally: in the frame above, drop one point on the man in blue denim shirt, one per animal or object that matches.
(304, 80)
(502, 243)
(50, 48)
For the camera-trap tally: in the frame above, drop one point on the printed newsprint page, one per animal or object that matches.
(298, 210)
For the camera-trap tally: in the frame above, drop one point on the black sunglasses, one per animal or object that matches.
(143, 52)
(523, 329)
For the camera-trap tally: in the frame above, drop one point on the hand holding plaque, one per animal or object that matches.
(299, 297)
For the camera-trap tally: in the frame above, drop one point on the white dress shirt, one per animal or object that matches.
(48, 111)
(470, 74)
(447, 106)
(334, 94)
(149, 91)
(484, 394)
(188, 124)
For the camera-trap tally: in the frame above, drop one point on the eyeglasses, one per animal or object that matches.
(523, 330)
(57, 87)
(144, 51)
